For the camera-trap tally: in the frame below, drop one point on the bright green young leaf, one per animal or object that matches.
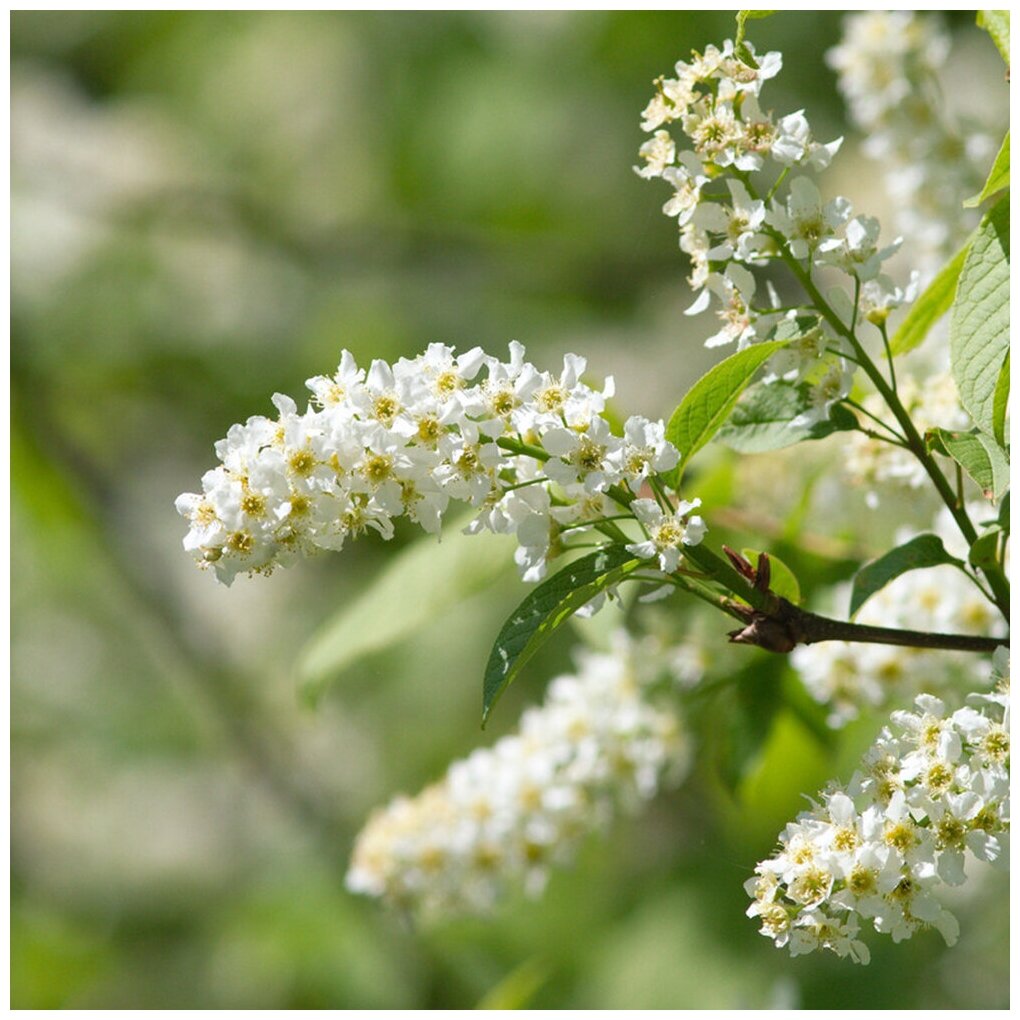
(546, 609)
(996, 24)
(1000, 401)
(518, 988)
(784, 581)
(420, 582)
(936, 300)
(978, 454)
(922, 551)
(761, 421)
(739, 46)
(709, 401)
(791, 758)
(979, 330)
(743, 17)
(998, 177)
(984, 552)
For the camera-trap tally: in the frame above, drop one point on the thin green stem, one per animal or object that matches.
(660, 493)
(897, 438)
(596, 521)
(524, 485)
(512, 445)
(996, 578)
(889, 357)
(775, 187)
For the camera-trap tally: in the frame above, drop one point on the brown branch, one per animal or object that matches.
(777, 625)
(781, 626)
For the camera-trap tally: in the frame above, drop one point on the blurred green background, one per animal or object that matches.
(206, 207)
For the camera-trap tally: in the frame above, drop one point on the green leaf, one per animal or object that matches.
(710, 400)
(743, 17)
(784, 581)
(761, 421)
(740, 47)
(984, 552)
(1000, 401)
(936, 300)
(420, 582)
(546, 609)
(978, 454)
(518, 988)
(979, 331)
(923, 551)
(998, 177)
(996, 24)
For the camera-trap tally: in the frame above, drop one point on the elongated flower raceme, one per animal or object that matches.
(531, 451)
(744, 200)
(888, 65)
(502, 818)
(931, 793)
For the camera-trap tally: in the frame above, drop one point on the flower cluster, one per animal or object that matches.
(531, 451)
(727, 176)
(501, 818)
(932, 403)
(932, 790)
(847, 677)
(888, 64)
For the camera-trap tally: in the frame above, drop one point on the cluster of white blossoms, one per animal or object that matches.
(531, 451)
(736, 213)
(501, 818)
(932, 402)
(889, 64)
(932, 790)
(848, 677)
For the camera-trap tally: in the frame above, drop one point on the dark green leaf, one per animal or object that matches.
(547, 608)
(979, 330)
(978, 454)
(923, 551)
(1000, 401)
(420, 582)
(998, 176)
(783, 581)
(996, 24)
(936, 300)
(761, 421)
(710, 400)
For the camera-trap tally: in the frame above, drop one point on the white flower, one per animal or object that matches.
(805, 221)
(658, 153)
(889, 65)
(857, 251)
(645, 450)
(687, 179)
(667, 533)
(833, 386)
(506, 815)
(925, 799)
(403, 441)
(738, 224)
